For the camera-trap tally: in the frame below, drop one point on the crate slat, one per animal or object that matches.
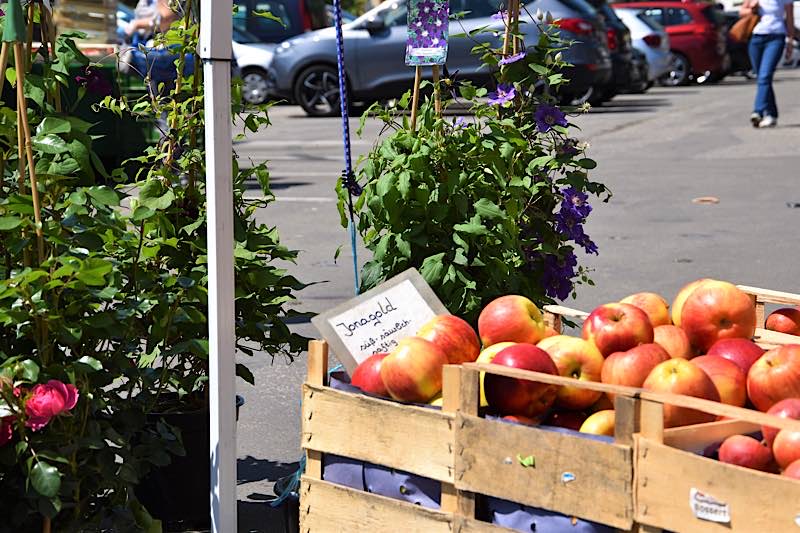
(378, 431)
(328, 507)
(772, 297)
(487, 462)
(758, 502)
(698, 437)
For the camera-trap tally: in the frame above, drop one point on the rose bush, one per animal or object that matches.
(47, 401)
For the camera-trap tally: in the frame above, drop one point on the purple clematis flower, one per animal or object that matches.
(94, 82)
(576, 201)
(500, 15)
(504, 94)
(459, 123)
(547, 116)
(512, 59)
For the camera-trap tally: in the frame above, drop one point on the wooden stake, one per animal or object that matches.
(29, 48)
(514, 22)
(437, 96)
(415, 98)
(26, 134)
(3, 63)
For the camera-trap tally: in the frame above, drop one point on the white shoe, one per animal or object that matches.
(768, 122)
(755, 119)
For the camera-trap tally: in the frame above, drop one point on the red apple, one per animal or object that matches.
(617, 327)
(683, 294)
(745, 451)
(453, 335)
(412, 372)
(486, 357)
(679, 376)
(512, 396)
(574, 358)
(674, 340)
(566, 419)
(788, 408)
(550, 331)
(717, 310)
(793, 470)
(367, 375)
(785, 320)
(774, 377)
(631, 368)
(743, 352)
(600, 423)
(786, 447)
(729, 379)
(654, 305)
(524, 420)
(510, 319)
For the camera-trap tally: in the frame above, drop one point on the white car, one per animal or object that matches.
(253, 58)
(650, 38)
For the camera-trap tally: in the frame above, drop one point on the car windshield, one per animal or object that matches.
(391, 12)
(243, 37)
(581, 6)
(650, 21)
(714, 15)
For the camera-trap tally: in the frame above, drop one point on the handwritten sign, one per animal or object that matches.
(375, 321)
(428, 27)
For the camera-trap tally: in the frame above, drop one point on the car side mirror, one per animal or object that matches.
(375, 25)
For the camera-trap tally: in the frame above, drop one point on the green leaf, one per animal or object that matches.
(269, 16)
(244, 373)
(30, 370)
(488, 209)
(49, 144)
(586, 163)
(404, 184)
(7, 223)
(103, 195)
(46, 479)
(527, 462)
(91, 362)
(432, 268)
(53, 125)
(93, 271)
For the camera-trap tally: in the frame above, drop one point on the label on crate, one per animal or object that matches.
(707, 507)
(375, 321)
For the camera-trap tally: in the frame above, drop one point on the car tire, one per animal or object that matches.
(255, 89)
(680, 72)
(316, 90)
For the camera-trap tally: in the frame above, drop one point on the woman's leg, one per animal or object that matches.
(773, 51)
(756, 50)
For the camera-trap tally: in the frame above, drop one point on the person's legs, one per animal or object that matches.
(756, 51)
(771, 56)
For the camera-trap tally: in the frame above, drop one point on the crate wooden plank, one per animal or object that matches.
(399, 436)
(488, 462)
(766, 337)
(758, 502)
(772, 297)
(328, 507)
(698, 437)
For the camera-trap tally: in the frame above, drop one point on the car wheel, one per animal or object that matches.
(317, 91)
(679, 71)
(576, 99)
(254, 86)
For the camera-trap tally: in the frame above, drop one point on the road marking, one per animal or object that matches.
(298, 199)
(309, 158)
(301, 143)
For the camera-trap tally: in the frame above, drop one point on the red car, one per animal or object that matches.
(696, 36)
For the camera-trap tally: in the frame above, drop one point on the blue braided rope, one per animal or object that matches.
(349, 178)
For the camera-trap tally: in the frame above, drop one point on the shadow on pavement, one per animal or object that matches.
(250, 469)
(260, 517)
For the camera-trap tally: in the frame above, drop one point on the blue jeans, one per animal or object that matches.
(765, 53)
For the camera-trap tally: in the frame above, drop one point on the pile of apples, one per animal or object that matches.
(702, 347)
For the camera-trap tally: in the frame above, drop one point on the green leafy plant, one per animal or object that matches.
(486, 205)
(117, 307)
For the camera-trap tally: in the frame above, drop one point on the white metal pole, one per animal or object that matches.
(215, 50)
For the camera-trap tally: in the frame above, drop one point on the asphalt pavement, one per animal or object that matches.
(659, 153)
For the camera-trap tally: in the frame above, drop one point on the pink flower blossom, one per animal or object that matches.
(6, 429)
(47, 401)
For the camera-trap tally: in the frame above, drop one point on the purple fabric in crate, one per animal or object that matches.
(402, 486)
(528, 519)
(343, 471)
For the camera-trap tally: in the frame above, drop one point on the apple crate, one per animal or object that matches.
(560, 472)
(680, 489)
(553, 315)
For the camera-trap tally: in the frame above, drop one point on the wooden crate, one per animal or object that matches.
(96, 18)
(469, 455)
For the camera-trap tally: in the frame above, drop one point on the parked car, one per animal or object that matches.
(253, 58)
(618, 38)
(640, 69)
(296, 17)
(650, 38)
(696, 35)
(303, 69)
(346, 15)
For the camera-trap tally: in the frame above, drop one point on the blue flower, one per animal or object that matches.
(512, 59)
(504, 94)
(576, 201)
(459, 123)
(547, 116)
(500, 15)
(557, 275)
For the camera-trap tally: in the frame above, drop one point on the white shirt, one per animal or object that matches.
(772, 14)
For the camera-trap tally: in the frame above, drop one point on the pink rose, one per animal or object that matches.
(6, 429)
(47, 401)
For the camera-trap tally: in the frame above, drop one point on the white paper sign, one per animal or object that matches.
(375, 321)
(706, 507)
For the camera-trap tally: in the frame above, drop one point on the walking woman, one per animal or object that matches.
(773, 33)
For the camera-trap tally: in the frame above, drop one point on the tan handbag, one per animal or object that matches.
(743, 28)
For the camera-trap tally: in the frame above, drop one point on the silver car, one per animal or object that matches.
(303, 69)
(650, 38)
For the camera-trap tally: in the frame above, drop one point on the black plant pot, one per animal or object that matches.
(179, 492)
